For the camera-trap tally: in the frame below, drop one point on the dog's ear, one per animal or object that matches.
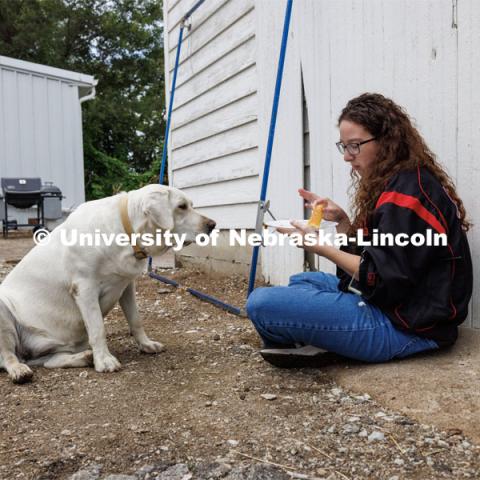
(156, 207)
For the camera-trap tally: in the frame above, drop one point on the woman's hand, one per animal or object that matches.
(302, 230)
(346, 261)
(331, 211)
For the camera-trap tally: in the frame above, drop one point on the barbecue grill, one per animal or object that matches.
(22, 193)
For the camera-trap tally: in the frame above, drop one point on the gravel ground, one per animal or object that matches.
(209, 407)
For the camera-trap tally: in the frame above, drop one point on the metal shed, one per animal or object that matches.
(422, 53)
(41, 126)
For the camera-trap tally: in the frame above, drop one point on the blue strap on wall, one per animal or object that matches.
(170, 106)
(196, 293)
(268, 154)
(271, 133)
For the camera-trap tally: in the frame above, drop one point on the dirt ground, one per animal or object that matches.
(209, 398)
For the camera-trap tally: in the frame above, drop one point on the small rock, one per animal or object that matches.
(399, 462)
(363, 433)
(376, 436)
(362, 398)
(179, 471)
(268, 396)
(83, 374)
(350, 428)
(216, 337)
(233, 443)
(92, 472)
(120, 477)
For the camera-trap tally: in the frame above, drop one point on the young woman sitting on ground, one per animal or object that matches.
(407, 299)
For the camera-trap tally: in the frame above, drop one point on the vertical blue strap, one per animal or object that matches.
(189, 13)
(271, 133)
(170, 106)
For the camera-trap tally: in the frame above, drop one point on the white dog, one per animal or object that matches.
(52, 304)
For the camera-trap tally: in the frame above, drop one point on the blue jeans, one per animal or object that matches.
(313, 311)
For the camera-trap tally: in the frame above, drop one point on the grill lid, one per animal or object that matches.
(21, 184)
(21, 192)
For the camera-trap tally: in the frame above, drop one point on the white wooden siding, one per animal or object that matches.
(213, 150)
(468, 134)
(421, 53)
(286, 172)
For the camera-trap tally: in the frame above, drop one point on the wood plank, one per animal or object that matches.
(207, 9)
(242, 190)
(240, 86)
(231, 116)
(230, 167)
(235, 140)
(226, 68)
(232, 216)
(286, 173)
(468, 176)
(222, 23)
(196, 62)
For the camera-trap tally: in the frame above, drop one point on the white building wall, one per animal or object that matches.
(41, 127)
(421, 53)
(213, 148)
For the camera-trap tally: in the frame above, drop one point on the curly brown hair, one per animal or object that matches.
(401, 147)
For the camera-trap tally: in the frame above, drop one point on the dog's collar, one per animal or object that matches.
(138, 252)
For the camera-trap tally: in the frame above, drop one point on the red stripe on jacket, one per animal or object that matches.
(414, 204)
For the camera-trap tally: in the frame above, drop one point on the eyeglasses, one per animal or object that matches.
(352, 148)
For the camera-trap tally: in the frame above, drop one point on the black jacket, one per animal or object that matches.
(422, 289)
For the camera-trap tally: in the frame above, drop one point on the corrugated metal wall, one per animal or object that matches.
(41, 131)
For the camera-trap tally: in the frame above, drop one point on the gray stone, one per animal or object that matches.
(376, 436)
(175, 472)
(120, 477)
(350, 428)
(92, 472)
(212, 471)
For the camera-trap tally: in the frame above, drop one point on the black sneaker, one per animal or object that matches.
(301, 357)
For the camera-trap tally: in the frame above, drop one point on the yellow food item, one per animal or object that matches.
(316, 217)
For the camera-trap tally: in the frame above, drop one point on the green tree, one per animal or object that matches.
(119, 42)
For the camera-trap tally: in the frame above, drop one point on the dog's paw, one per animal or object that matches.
(151, 347)
(20, 373)
(106, 363)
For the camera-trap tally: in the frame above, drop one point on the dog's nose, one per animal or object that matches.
(211, 225)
